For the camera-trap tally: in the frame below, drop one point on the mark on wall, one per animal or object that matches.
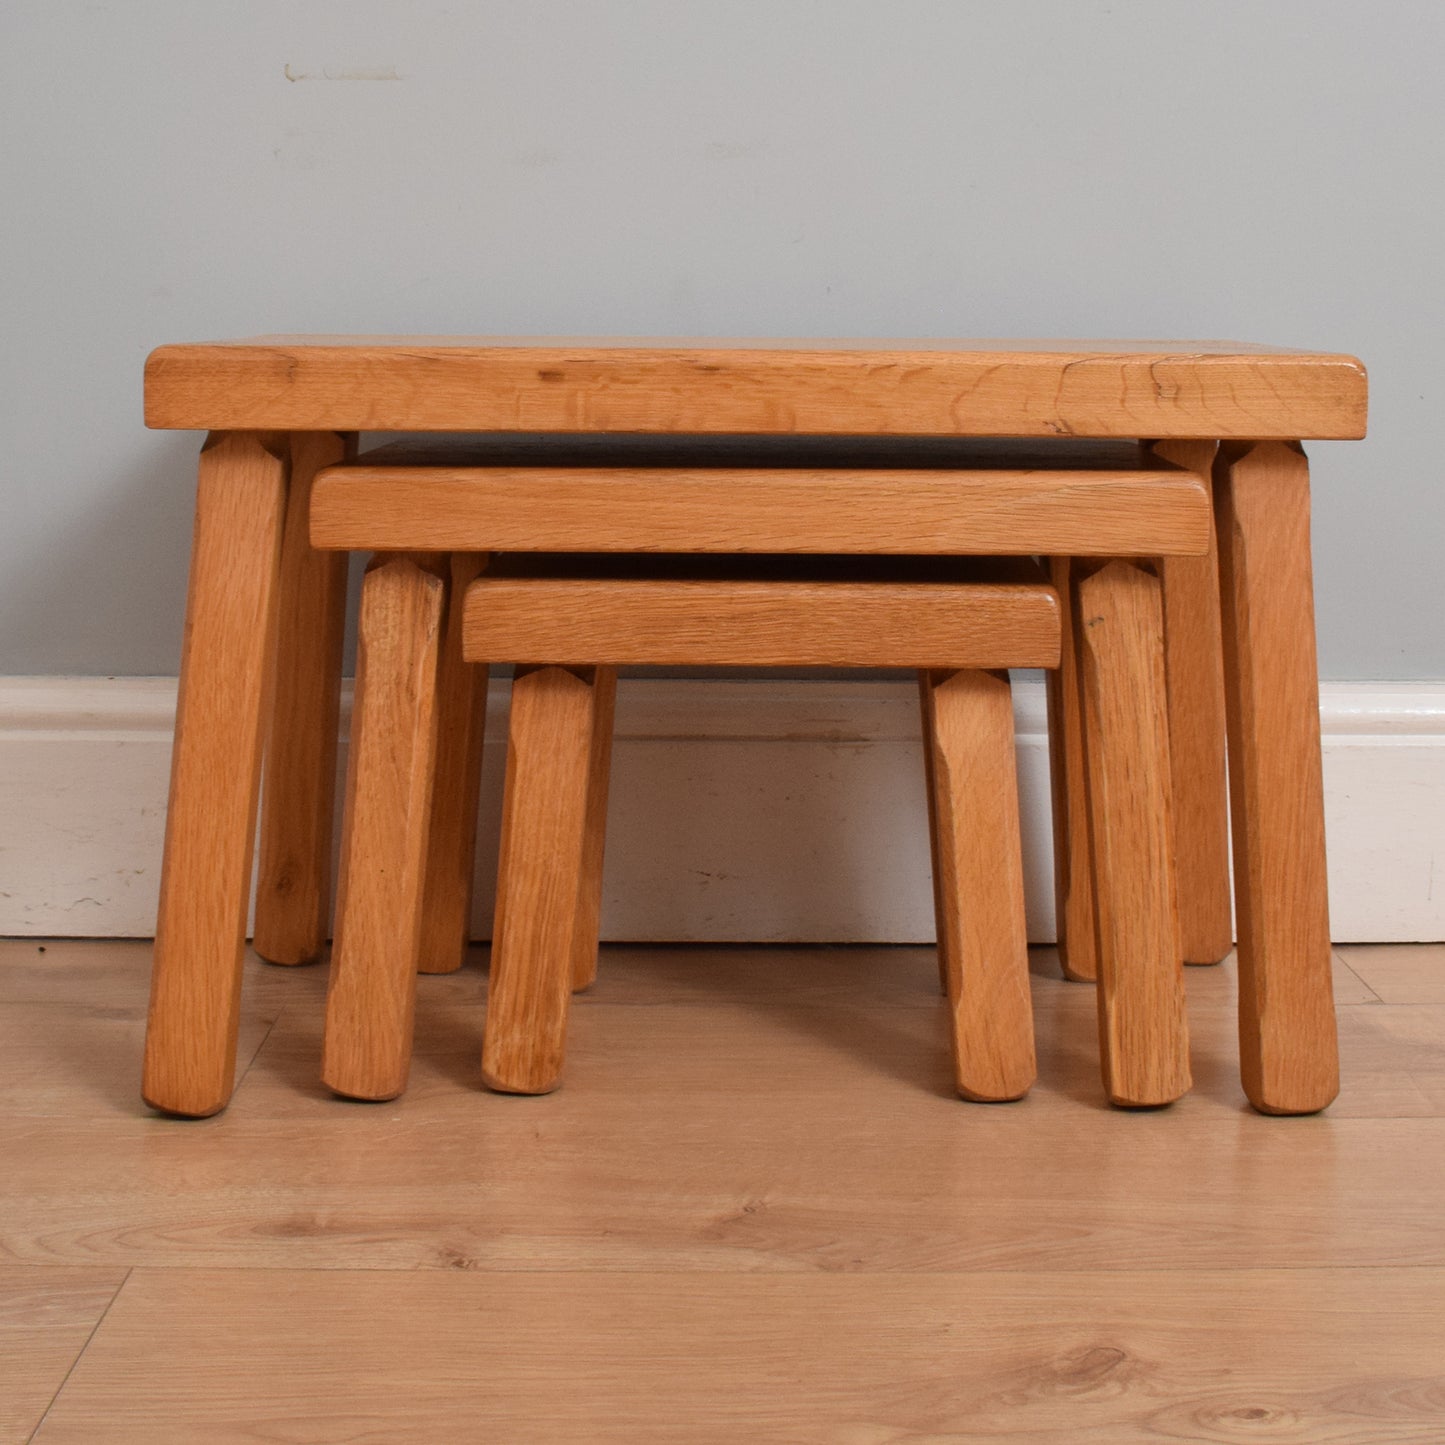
(336, 72)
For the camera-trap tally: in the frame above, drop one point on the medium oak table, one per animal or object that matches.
(263, 623)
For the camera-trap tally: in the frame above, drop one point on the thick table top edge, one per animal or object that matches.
(917, 388)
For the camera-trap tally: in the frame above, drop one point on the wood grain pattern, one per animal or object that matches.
(1194, 668)
(371, 999)
(544, 825)
(461, 726)
(1054, 1358)
(900, 387)
(979, 884)
(298, 793)
(1136, 512)
(1068, 791)
(762, 624)
(46, 1316)
(215, 773)
(1143, 1037)
(588, 927)
(1288, 1049)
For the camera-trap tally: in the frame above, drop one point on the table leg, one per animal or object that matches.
(1289, 1055)
(544, 822)
(461, 726)
(1195, 674)
(298, 789)
(1143, 1036)
(925, 710)
(979, 883)
(588, 927)
(1073, 868)
(190, 1052)
(371, 1001)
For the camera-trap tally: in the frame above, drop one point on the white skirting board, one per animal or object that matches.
(742, 811)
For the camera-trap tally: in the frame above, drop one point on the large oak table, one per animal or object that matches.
(262, 638)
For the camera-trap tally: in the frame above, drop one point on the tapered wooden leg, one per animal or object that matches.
(190, 1052)
(544, 822)
(1194, 668)
(589, 892)
(298, 798)
(372, 995)
(980, 884)
(925, 711)
(461, 724)
(1073, 867)
(1118, 631)
(1289, 1054)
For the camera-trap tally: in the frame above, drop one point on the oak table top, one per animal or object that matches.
(877, 387)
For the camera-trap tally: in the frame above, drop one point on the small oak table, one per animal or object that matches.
(263, 624)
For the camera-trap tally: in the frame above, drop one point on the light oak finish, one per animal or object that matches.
(1194, 667)
(761, 1175)
(968, 746)
(461, 706)
(47, 1314)
(544, 827)
(1148, 511)
(371, 1000)
(1143, 1037)
(1068, 785)
(1288, 1050)
(298, 799)
(215, 771)
(979, 883)
(763, 624)
(588, 927)
(855, 387)
(931, 392)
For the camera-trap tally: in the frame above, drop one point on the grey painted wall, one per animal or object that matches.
(178, 170)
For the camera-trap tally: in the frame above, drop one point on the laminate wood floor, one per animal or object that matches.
(753, 1212)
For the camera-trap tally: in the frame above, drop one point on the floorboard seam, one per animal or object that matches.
(256, 1053)
(109, 1305)
(436, 1269)
(1344, 963)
